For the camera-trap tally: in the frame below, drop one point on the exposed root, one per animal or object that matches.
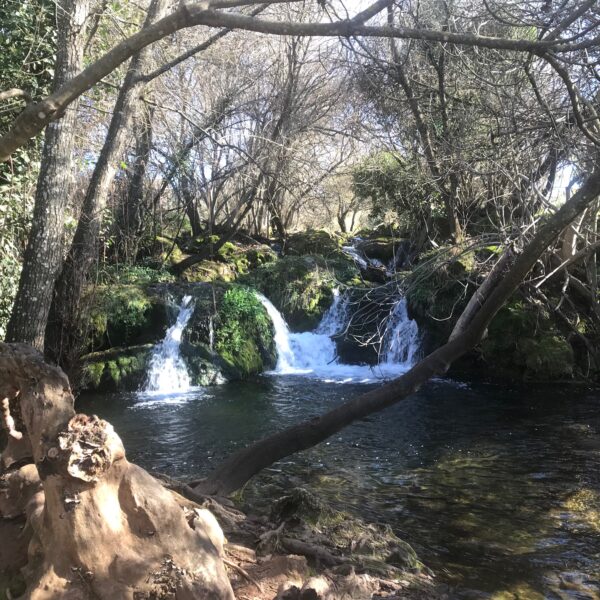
(243, 573)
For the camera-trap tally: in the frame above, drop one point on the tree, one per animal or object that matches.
(43, 255)
(503, 280)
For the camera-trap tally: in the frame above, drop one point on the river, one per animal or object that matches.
(497, 487)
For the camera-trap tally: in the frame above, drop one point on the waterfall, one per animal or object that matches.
(167, 371)
(401, 337)
(314, 352)
(336, 317)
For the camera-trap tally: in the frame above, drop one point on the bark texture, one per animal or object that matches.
(82, 253)
(101, 526)
(43, 255)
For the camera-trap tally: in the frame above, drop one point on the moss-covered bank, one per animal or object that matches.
(301, 287)
(229, 335)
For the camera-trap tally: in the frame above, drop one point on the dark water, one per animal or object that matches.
(497, 488)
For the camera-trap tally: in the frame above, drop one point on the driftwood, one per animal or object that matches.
(101, 526)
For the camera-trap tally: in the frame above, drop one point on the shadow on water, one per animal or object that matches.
(497, 488)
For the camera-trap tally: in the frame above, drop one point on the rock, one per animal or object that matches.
(124, 315)
(116, 368)
(229, 335)
(208, 271)
(313, 241)
(316, 588)
(301, 287)
(299, 504)
(385, 249)
(523, 342)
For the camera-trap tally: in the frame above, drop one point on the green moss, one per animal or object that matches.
(237, 324)
(244, 332)
(302, 287)
(524, 341)
(209, 271)
(548, 357)
(371, 547)
(313, 241)
(438, 289)
(123, 315)
(116, 369)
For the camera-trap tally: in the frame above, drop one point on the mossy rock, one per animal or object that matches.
(116, 369)
(438, 290)
(124, 315)
(204, 366)
(301, 287)
(383, 249)
(209, 271)
(383, 230)
(300, 505)
(370, 547)
(229, 329)
(523, 341)
(313, 241)
(232, 261)
(167, 251)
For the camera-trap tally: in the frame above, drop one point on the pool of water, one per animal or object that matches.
(497, 488)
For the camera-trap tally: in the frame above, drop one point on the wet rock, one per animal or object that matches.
(301, 287)
(116, 368)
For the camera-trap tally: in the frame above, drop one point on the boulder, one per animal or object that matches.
(312, 241)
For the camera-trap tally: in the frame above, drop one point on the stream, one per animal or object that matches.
(496, 486)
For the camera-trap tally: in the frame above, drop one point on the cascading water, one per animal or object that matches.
(401, 337)
(314, 352)
(336, 317)
(167, 372)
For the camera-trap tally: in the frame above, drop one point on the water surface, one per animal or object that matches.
(496, 487)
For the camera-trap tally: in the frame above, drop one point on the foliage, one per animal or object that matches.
(396, 184)
(133, 274)
(27, 43)
(244, 333)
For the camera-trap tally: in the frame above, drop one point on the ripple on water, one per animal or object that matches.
(497, 488)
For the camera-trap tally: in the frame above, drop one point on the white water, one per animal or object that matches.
(401, 337)
(167, 372)
(313, 353)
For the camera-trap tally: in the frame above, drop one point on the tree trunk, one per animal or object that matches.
(44, 252)
(235, 471)
(62, 335)
(131, 217)
(101, 527)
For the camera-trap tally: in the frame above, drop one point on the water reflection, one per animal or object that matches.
(496, 488)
